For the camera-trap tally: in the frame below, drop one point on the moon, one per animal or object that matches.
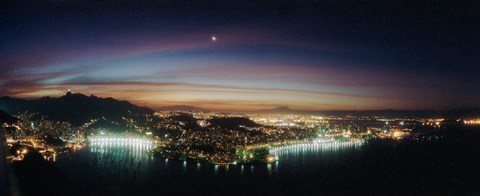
(214, 38)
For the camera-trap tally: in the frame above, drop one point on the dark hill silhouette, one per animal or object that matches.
(76, 108)
(235, 123)
(189, 122)
(231, 122)
(6, 118)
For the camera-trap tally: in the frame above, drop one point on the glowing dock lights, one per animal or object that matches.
(315, 144)
(118, 140)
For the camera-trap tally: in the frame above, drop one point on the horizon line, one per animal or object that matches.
(293, 109)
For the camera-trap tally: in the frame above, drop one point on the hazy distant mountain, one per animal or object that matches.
(77, 108)
(182, 108)
(6, 118)
(453, 113)
(283, 109)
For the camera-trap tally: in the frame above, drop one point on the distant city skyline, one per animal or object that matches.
(245, 56)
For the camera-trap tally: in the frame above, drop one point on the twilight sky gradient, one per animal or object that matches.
(305, 55)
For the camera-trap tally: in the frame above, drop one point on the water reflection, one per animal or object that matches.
(130, 155)
(107, 165)
(331, 145)
(269, 168)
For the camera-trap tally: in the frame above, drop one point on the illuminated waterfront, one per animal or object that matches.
(316, 144)
(333, 156)
(112, 141)
(392, 166)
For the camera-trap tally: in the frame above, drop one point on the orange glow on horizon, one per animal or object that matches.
(216, 98)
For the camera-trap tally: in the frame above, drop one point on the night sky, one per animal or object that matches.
(230, 55)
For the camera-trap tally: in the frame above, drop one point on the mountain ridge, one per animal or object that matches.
(76, 109)
(182, 108)
(450, 113)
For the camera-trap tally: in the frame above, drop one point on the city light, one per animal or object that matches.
(117, 141)
(315, 144)
(472, 122)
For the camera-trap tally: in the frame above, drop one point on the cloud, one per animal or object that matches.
(157, 68)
